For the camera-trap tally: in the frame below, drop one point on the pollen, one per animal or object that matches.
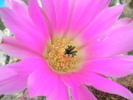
(63, 56)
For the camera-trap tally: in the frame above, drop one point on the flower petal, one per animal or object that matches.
(10, 85)
(78, 91)
(49, 11)
(41, 82)
(22, 28)
(101, 23)
(82, 12)
(9, 80)
(16, 49)
(37, 17)
(73, 78)
(6, 72)
(85, 94)
(106, 85)
(59, 92)
(62, 13)
(19, 8)
(70, 83)
(114, 66)
(116, 41)
(27, 65)
(77, 78)
(12, 74)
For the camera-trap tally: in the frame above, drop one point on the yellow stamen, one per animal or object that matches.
(63, 56)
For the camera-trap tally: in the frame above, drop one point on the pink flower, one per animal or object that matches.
(65, 45)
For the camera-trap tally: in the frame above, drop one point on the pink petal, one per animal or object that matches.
(116, 41)
(77, 78)
(114, 66)
(28, 65)
(59, 92)
(106, 85)
(41, 82)
(85, 94)
(9, 81)
(37, 17)
(73, 78)
(13, 77)
(72, 84)
(49, 12)
(78, 91)
(6, 73)
(16, 49)
(62, 13)
(23, 30)
(82, 12)
(101, 23)
(18, 7)
(13, 84)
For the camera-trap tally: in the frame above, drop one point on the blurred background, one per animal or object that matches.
(125, 81)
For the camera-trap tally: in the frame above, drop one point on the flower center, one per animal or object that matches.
(63, 56)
